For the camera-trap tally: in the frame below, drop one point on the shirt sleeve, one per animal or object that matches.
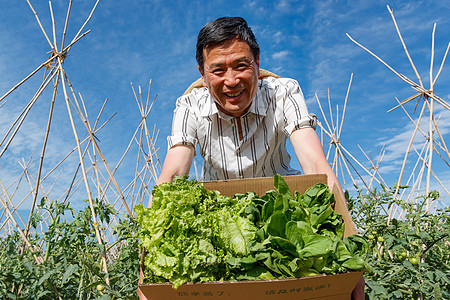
(184, 129)
(295, 109)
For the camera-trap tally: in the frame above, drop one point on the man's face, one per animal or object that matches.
(231, 75)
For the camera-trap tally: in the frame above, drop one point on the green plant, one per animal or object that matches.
(410, 255)
(70, 265)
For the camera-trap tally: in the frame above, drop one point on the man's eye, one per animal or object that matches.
(217, 71)
(241, 67)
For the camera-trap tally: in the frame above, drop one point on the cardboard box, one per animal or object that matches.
(324, 287)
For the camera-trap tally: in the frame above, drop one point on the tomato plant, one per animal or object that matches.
(410, 255)
(71, 267)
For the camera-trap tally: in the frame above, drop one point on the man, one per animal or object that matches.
(240, 122)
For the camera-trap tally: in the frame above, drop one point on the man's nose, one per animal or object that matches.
(231, 78)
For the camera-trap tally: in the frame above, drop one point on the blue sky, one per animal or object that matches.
(135, 41)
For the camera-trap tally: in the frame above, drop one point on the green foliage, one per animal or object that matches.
(71, 267)
(410, 256)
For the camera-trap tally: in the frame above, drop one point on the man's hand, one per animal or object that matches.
(358, 292)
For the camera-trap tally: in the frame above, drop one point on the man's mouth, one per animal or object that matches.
(232, 95)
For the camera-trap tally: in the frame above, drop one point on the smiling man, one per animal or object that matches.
(240, 121)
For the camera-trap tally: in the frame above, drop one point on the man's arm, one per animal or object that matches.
(309, 152)
(177, 163)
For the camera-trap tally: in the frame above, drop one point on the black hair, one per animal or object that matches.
(222, 30)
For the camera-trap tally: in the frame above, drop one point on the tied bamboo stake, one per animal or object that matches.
(94, 143)
(426, 137)
(431, 121)
(404, 46)
(334, 132)
(41, 161)
(83, 171)
(18, 122)
(59, 56)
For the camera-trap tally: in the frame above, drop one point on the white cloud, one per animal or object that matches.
(280, 54)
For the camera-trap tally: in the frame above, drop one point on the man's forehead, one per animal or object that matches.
(240, 53)
(219, 62)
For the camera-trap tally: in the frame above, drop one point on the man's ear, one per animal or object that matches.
(257, 63)
(203, 76)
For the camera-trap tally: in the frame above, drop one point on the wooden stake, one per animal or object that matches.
(83, 170)
(41, 161)
(40, 25)
(404, 46)
(65, 25)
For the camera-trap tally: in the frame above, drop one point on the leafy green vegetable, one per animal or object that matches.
(191, 234)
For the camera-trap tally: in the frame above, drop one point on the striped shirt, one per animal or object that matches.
(253, 145)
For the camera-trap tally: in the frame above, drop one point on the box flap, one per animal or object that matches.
(261, 185)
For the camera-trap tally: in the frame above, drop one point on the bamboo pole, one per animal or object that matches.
(430, 156)
(403, 102)
(442, 64)
(345, 105)
(430, 151)
(55, 47)
(442, 140)
(425, 135)
(83, 171)
(22, 116)
(374, 55)
(9, 202)
(404, 46)
(41, 161)
(52, 170)
(40, 25)
(424, 160)
(94, 143)
(323, 114)
(65, 25)
(85, 23)
(52, 57)
(405, 159)
(425, 93)
(342, 154)
(375, 167)
(329, 107)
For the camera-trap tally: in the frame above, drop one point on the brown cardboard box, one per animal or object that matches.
(324, 287)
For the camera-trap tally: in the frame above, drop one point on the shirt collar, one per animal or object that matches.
(259, 105)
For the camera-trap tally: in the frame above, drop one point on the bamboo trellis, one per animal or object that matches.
(92, 169)
(429, 99)
(342, 161)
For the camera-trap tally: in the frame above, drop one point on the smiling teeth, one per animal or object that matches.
(233, 94)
